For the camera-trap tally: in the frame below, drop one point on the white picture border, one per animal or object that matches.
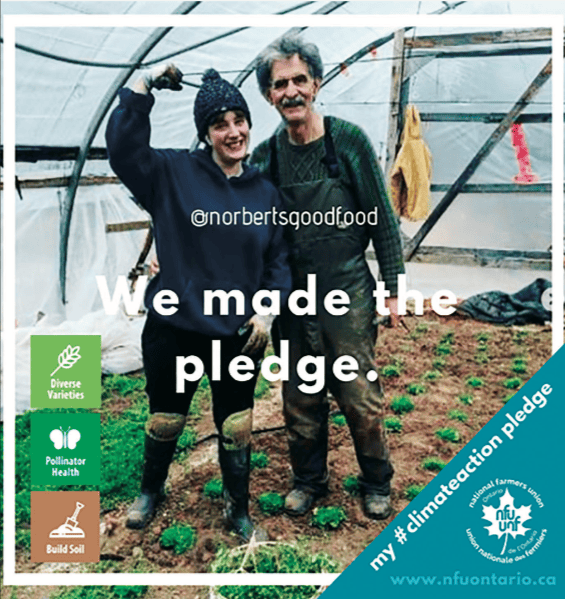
(10, 26)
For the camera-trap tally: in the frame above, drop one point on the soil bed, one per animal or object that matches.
(414, 353)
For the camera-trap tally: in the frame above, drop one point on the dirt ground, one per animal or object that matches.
(414, 351)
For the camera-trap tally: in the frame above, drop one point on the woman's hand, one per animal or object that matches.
(166, 76)
(259, 338)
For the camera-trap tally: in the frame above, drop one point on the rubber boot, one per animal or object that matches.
(235, 465)
(158, 456)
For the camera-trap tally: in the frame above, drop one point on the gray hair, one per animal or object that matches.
(283, 48)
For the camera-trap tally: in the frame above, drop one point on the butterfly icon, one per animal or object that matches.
(67, 439)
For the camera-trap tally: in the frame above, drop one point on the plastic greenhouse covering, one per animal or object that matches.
(57, 100)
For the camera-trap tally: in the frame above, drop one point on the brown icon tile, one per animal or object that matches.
(65, 526)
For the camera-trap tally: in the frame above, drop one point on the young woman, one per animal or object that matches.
(196, 200)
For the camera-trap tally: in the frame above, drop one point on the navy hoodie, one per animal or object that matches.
(171, 185)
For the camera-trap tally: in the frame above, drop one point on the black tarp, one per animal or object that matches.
(523, 307)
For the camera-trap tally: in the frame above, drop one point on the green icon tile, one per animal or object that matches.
(65, 371)
(65, 449)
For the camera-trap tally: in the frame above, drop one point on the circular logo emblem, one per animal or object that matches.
(507, 523)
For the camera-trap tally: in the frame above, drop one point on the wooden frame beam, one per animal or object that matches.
(480, 37)
(483, 152)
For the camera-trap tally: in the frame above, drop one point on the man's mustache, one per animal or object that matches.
(292, 102)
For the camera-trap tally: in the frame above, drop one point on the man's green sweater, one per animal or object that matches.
(359, 171)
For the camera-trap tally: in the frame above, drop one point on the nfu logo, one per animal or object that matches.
(506, 519)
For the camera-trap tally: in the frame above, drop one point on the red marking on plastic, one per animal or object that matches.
(526, 175)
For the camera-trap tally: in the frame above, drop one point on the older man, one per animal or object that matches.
(322, 164)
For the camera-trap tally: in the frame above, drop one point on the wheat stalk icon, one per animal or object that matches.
(68, 357)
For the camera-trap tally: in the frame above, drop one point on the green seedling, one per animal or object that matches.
(520, 337)
(458, 415)
(390, 370)
(439, 363)
(519, 366)
(513, 383)
(431, 375)
(272, 558)
(352, 486)
(178, 538)
(328, 518)
(448, 338)
(187, 440)
(433, 464)
(482, 347)
(393, 424)
(271, 503)
(481, 359)
(401, 405)
(259, 460)
(466, 399)
(443, 349)
(412, 491)
(416, 388)
(482, 337)
(214, 488)
(339, 419)
(475, 381)
(448, 434)
(507, 398)
(422, 327)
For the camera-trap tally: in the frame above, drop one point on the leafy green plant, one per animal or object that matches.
(448, 338)
(466, 399)
(122, 384)
(443, 349)
(481, 359)
(439, 363)
(458, 415)
(422, 327)
(520, 337)
(100, 592)
(448, 434)
(393, 424)
(339, 419)
(507, 398)
(475, 381)
(390, 370)
(352, 486)
(328, 518)
(187, 440)
(272, 558)
(413, 490)
(214, 488)
(262, 388)
(519, 365)
(401, 404)
(434, 464)
(271, 503)
(431, 375)
(482, 347)
(179, 538)
(483, 337)
(415, 388)
(259, 460)
(512, 383)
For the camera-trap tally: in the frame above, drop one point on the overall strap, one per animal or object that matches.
(274, 166)
(330, 159)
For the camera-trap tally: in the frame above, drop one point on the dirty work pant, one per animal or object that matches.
(360, 401)
(161, 343)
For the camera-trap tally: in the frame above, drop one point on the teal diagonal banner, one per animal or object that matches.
(491, 523)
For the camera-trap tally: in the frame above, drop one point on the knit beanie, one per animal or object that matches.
(216, 95)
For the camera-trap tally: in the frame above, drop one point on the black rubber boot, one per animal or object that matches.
(235, 465)
(158, 456)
